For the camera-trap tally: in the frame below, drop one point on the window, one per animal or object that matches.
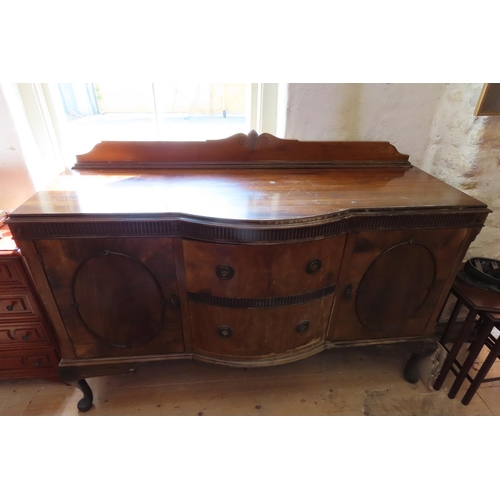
(70, 118)
(153, 112)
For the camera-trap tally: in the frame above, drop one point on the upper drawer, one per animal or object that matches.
(17, 305)
(255, 271)
(11, 272)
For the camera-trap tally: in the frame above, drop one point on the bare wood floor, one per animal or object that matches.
(362, 381)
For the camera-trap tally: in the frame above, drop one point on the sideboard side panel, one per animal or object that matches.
(35, 266)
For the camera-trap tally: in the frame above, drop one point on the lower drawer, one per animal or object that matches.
(260, 331)
(28, 361)
(23, 334)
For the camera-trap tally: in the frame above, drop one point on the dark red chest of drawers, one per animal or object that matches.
(27, 347)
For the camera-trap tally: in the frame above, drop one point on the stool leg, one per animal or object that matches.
(451, 321)
(478, 379)
(464, 332)
(474, 350)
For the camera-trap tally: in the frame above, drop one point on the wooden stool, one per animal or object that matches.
(484, 337)
(486, 305)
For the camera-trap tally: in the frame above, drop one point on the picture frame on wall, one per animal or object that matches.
(488, 103)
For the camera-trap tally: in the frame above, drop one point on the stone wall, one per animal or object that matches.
(464, 151)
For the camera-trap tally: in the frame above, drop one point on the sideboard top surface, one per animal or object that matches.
(245, 178)
(243, 194)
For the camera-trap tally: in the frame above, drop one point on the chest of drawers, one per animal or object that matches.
(27, 347)
(248, 251)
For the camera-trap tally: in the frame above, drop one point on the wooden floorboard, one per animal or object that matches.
(355, 382)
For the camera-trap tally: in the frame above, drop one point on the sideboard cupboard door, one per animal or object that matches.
(255, 271)
(393, 282)
(117, 297)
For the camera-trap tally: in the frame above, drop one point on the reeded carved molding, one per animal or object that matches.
(243, 303)
(231, 232)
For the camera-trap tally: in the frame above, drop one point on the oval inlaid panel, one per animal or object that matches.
(395, 285)
(118, 299)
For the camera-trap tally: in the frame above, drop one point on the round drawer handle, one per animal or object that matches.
(224, 272)
(11, 307)
(313, 266)
(224, 331)
(302, 327)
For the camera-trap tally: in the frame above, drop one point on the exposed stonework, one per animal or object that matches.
(464, 151)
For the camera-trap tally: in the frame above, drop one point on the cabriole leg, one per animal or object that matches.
(411, 373)
(85, 403)
(69, 376)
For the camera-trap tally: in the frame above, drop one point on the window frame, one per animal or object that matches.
(45, 114)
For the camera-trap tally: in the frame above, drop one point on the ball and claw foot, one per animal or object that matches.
(85, 403)
(411, 373)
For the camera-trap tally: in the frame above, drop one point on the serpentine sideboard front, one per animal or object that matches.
(247, 251)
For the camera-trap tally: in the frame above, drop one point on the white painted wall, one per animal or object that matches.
(16, 185)
(399, 113)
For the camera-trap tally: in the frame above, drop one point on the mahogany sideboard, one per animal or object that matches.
(247, 251)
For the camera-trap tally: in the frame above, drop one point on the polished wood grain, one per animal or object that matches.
(125, 309)
(239, 150)
(460, 255)
(243, 334)
(180, 270)
(258, 196)
(262, 270)
(44, 292)
(394, 281)
(233, 232)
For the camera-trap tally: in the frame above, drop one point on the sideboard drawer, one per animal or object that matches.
(20, 334)
(11, 273)
(17, 305)
(257, 271)
(250, 333)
